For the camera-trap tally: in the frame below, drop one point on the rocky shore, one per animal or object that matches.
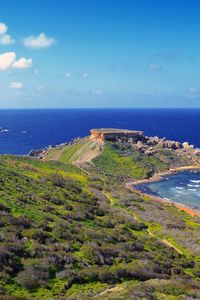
(41, 153)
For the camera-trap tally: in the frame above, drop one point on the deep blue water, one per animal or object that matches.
(31, 129)
(182, 187)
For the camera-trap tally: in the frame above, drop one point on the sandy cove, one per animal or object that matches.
(159, 176)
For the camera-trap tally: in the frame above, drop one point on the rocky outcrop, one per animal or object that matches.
(113, 134)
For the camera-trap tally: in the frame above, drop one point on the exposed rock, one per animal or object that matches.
(186, 145)
(113, 134)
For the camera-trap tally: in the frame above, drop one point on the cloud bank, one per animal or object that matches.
(38, 42)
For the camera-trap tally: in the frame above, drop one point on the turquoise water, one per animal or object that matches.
(181, 187)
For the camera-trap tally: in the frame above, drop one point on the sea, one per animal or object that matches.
(182, 187)
(22, 130)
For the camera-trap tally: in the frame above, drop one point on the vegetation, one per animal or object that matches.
(70, 234)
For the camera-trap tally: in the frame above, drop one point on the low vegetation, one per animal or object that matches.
(70, 233)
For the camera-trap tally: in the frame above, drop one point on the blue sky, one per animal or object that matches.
(99, 53)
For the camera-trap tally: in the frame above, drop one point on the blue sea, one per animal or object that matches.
(33, 129)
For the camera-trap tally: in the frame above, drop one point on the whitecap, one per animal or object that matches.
(195, 181)
(192, 190)
(194, 185)
(3, 130)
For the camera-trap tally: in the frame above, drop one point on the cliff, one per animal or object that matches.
(114, 134)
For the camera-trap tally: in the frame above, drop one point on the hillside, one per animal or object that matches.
(71, 230)
(124, 158)
(82, 151)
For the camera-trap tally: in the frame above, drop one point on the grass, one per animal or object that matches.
(112, 163)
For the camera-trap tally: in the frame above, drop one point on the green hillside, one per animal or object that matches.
(70, 234)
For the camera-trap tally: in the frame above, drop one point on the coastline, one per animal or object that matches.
(159, 176)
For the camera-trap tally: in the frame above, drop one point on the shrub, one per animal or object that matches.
(33, 276)
(57, 180)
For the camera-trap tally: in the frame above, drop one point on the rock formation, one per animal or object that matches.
(113, 134)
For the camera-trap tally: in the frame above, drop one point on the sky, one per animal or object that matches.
(99, 53)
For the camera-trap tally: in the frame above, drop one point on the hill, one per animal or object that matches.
(71, 230)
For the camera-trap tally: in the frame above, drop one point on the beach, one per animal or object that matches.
(157, 177)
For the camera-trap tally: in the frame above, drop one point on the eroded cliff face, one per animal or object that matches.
(109, 134)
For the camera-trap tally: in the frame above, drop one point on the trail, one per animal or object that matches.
(137, 218)
(114, 289)
(164, 241)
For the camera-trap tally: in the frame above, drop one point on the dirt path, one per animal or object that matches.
(136, 217)
(114, 289)
(165, 241)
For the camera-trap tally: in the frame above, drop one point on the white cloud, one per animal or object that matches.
(5, 39)
(156, 67)
(36, 71)
(84, 75)
(3, 28)
(22, 63)
(16, 85)
(38, 42)
(40, 88)
(68, 74)
(192, 90)
(192, 93)
(8, 61)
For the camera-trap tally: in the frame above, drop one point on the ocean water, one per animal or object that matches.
(182, 187)
(33, 129)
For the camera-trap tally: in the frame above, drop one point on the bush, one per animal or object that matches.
(57, 180)
(34, 276)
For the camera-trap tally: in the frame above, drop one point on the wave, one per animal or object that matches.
(195, 181)
(194, 185)
(192, 190)
(3, 130)
(179, 188)
(181, 192)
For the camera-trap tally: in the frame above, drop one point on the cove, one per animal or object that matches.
(181, 187)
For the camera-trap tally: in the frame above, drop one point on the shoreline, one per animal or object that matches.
(159, 176)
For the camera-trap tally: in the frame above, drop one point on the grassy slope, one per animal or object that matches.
(113, 161)
(83, 151)
(63, 227)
